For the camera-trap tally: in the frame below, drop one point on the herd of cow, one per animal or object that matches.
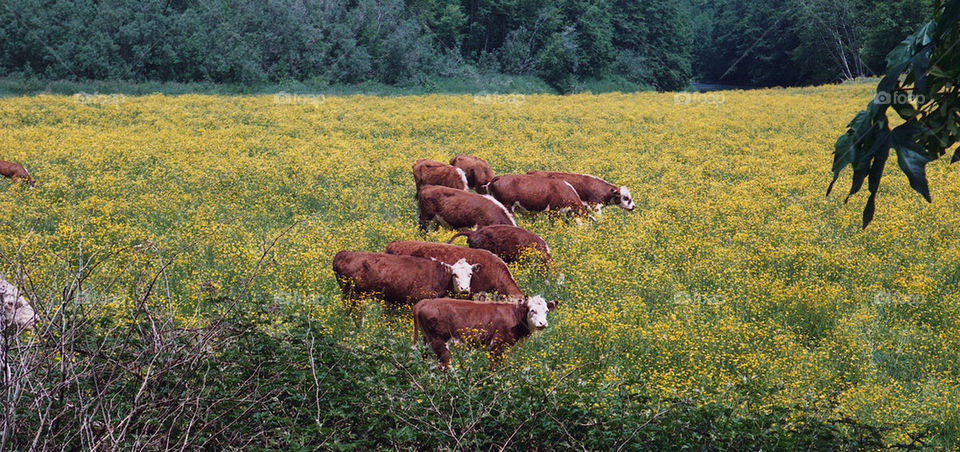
(428, 274)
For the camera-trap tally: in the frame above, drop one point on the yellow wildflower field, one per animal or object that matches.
(735, 281)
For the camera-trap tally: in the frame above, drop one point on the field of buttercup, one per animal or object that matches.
(735, 283)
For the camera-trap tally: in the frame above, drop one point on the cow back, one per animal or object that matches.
(493, 275)
(591, 189)
(397, 278)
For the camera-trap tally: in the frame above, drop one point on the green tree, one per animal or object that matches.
(883, 23)
(654, 42)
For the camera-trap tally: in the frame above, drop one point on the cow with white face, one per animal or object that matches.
(400, 279)
(492, 326)
(462, 274)
(594, 191)
(17, 313)
(537, 309)
(623, 199)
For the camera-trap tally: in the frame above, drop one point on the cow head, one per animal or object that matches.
(621, 197)
(537, 309)
(462, 273)
(17, 313)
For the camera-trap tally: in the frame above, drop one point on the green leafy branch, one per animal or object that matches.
(921, 85)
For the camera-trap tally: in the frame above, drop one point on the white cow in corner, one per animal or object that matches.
(17, 316)
(17, 313)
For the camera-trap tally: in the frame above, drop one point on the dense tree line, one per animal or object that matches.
(655, 43)
(799, 42)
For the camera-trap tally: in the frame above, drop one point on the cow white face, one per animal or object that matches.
(626, 201)
(537, 309)
(462, 273)
(16, 311)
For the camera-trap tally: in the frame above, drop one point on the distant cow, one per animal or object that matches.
(477, 169)
(400, 279)
(593, 191)
(493, 277)
(458, 209)
(507, 242)
(16, 171)
(17, 313)
(536, 194)
(493, 326)
(432, 172)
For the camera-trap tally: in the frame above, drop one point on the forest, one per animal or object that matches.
(570, 45)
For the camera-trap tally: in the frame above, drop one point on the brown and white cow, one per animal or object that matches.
(593, 191)
(493, 326)
(17, 313)
(478, 171)
(431, 172)
(536, 194)
(16, 171)
(458, 209)
(400, 279)
(493, 277)
(507, 242)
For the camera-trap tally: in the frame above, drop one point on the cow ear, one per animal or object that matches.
(476, 267)
(552, 304)
(614, 190)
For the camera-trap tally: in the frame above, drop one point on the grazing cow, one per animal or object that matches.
(593, 191)
(458, 209)
(477, 169)
(400, 279)
(493, 277)
(16, 171)
(536, 194)
(17, 313)
(493, 326)
(507, 242)
(432, 172)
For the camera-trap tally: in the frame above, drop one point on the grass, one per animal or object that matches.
(736, 297)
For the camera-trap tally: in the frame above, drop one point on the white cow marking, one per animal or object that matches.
(626, 201)
(462, 273)
(504, 209)
(16, 311)
(463, 177)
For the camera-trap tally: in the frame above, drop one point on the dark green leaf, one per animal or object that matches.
(868, 210)
(911, 158)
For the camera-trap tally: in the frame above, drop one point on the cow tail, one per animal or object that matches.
(459, 234)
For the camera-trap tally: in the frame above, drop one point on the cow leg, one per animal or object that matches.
(442, 351)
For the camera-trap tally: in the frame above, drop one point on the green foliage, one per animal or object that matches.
(884, 23)
(750, 44)
(797, 42)
(653, 51)
(396, 42)
(922, 85)
(233, 385)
